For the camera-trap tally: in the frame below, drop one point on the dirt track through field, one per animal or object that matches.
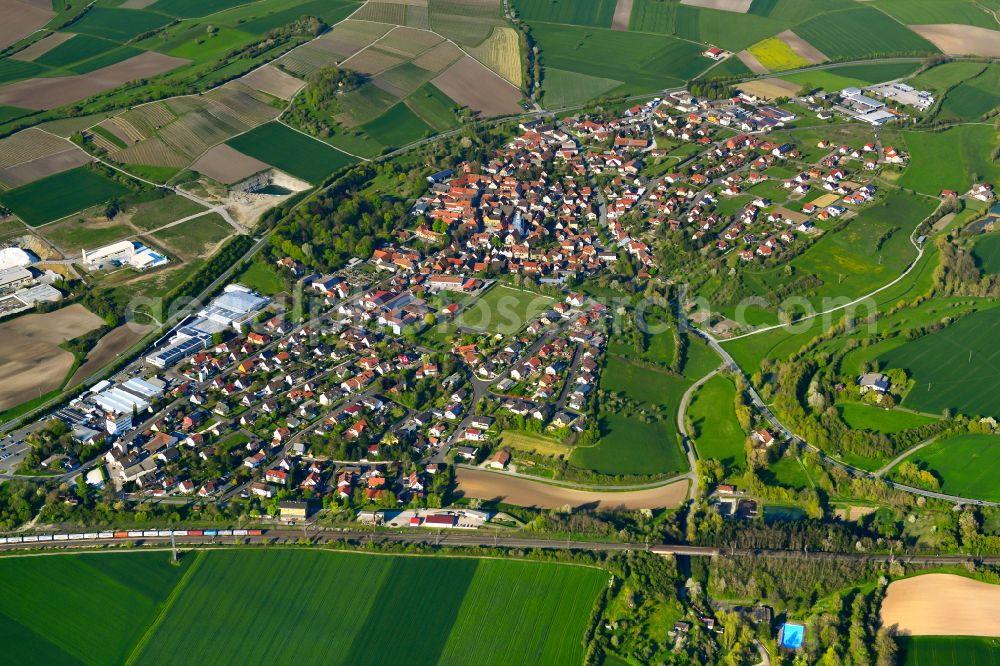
(472, 84)
(31, 363)
(623, 12)
(523, 492)
(48, 93)
(942, 605)
(955, 39)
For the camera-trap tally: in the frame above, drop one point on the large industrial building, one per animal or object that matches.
(133, 253)
(234, 309)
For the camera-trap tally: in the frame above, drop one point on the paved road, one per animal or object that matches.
(791, 436)
(688, 440)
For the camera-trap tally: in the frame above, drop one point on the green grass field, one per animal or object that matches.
(787, 471)
(263, 278)
(71, 236)
(154, 214)
(190, 8)
(947, 74)
(291, 151)
(866, 417)
(331, 11)
(150, 612)
(948, 651)
(47, 604)
(504, 309)
(75, 49)
(861, 32)
(629, 445)
(950, 159)
(12, 70)
(597, 13)
(957, 368)
(563, 88)
(195, 237)
(643, 62)
(119, 25)
(397, 127)
(973, 98)
(60, 195)
(433, 107)
(917, 12)
(475, 608)
(987, 252)
(838, 78)
(965, 465)
(717, 431)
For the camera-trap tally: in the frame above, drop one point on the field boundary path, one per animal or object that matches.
(688, 442)
(903, 456)
(164, 609)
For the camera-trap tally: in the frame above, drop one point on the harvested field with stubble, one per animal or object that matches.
(770, 88)
(48, 93)
(227, 165)
(956, 39)
(502, 53)
(273, 81)
(31, 361)
(942, 605)
(471, 84)
(18, 19)
(494, 486)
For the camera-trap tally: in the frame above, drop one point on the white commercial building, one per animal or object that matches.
(123, 252)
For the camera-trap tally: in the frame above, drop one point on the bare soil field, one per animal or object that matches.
(48, 93)
(738, 6)
(750, 60)
(42, 46)
(29, 172)
(522, 492)
(20, 19)
(803, 48)
(472, 84)
(227, 165)
(107, 348)
(439, 57)
(31, 362)
(942, 605)
(349, 37)
(955, 39)
(769, 88)
(273, 81)
(623, 12)
(371, 61)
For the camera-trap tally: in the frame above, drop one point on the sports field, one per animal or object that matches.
(947, 650)
(504, 310)
(310, 606)
(965, 465)
(950, 159)
(718, 433)
(291, 151)
(956, 368)
(60, 195)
